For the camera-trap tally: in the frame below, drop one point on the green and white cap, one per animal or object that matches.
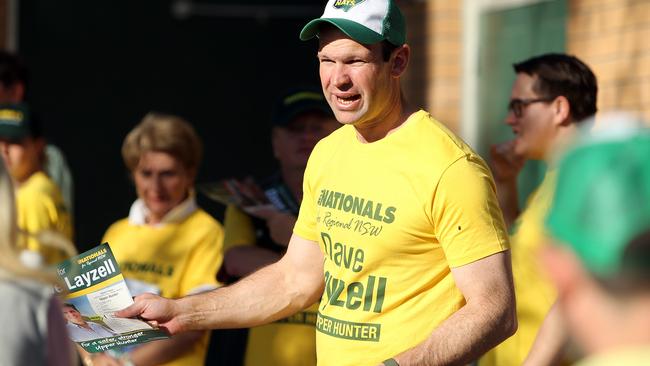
(365, 21)
(601, 207)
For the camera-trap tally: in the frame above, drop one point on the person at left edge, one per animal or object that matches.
(168, 245)
(33, 330)
(39, 202)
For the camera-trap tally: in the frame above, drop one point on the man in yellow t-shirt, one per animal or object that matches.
(399, 232)
(551, 95)
(39, 202)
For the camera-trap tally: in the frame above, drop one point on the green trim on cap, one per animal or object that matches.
(351, 28)
(364, 21)
(394, 25)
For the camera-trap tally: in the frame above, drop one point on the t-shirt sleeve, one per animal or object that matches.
(35, 212)
(306, 224)
(202, 265)
(466, 214)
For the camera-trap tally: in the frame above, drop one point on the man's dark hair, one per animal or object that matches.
(563, 75)
(12, 69)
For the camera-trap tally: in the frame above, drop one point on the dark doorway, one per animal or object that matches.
(97, 67)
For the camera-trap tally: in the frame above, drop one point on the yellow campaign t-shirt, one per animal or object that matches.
(624, 355)
(287, 342)
(535, 293)
(40, 206)
(173, 260)
(391, 217)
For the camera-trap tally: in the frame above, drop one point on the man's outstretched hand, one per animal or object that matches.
(152, 308)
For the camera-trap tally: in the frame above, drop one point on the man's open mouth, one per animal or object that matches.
(348, 100)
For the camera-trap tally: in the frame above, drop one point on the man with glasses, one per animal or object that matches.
(552, 94)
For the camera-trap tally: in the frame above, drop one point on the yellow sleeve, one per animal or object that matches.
(306, 224)
(34, 212)
(204, 261)
(239, 228)
(469, 224)
(529, 228)
(38, 212)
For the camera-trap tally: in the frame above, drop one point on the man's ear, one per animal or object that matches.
(562, 110)
(400, 60)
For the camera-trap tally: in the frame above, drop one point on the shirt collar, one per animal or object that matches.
(139, 212)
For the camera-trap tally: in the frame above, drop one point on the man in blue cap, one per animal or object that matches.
(399, 232)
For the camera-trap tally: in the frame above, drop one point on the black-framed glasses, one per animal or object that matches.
(517, 105)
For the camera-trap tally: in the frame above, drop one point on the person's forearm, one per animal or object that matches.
(550, 342)
(159, 352)
(272, 293)
(465, 335)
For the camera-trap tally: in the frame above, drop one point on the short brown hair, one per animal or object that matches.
(163, 133)
(566, 75)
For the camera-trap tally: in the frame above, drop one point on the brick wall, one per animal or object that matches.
(433, 80)
(613, 37)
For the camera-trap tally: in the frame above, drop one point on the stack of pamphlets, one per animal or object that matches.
(95, 289)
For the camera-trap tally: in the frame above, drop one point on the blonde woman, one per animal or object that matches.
(33, 330)
(167, 245)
